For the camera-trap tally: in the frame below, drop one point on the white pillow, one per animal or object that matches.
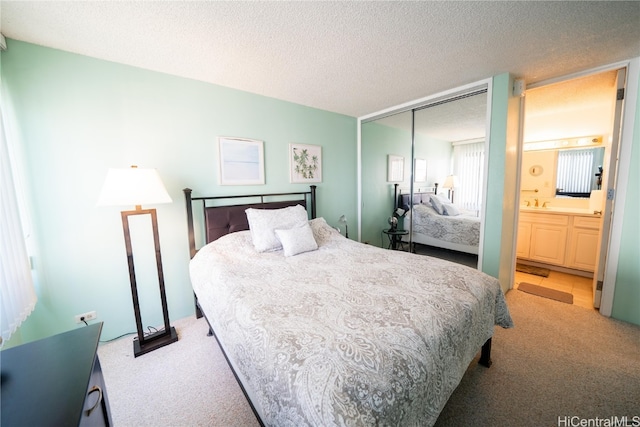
(437, 205)
(297, 240)
(443, 197)
(263, 222)
(450, 209)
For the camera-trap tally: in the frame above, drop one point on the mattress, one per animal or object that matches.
(348, 334)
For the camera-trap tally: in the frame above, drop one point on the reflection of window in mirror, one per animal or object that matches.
(579, 171)
(395, 172)
(420, 170)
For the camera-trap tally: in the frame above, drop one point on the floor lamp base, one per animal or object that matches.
(154, 341)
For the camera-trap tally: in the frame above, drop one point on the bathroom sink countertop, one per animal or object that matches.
(558, 210)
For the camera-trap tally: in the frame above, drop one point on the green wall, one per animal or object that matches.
(495, 176)
(76, 116)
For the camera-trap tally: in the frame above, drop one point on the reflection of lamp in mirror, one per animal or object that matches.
(451, 182)
(343, 220)
(135, 186)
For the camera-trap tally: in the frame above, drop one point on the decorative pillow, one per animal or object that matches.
(450, 209)
(322, 231)
(297, 240)
(437, 205)
(263, 222)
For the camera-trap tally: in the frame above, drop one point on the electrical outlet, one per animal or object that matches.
(85, 317)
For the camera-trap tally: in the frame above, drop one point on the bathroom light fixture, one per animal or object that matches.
(137, 186)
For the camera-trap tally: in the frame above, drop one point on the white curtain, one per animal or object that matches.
(575, 169)
(468, 166)
(17, 293)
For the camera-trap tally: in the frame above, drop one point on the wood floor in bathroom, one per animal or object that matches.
(579, 287)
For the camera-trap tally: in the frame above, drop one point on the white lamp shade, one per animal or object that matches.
(133, 186)
(450, 182)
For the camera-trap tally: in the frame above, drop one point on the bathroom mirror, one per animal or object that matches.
(572, 172)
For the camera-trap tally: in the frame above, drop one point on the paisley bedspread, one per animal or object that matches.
(349, 334)
(460, 229)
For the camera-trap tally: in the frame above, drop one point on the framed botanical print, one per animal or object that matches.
(305, 163)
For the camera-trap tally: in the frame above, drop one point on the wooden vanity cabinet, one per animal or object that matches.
(565, 240)
(549, 239)
(524, 239)
(583, 245)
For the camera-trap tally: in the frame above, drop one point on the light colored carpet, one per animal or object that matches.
(560, 360)
(187, 383)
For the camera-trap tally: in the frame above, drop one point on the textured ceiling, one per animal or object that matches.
(354, 58)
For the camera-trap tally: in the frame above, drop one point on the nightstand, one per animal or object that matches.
(56, 381)
(395, 237)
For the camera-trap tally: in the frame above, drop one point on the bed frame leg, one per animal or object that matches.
(198, 310)
(485, 355)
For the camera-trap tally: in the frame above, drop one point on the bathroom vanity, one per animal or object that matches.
(563, 237)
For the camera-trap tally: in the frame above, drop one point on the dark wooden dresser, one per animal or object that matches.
(56, 381)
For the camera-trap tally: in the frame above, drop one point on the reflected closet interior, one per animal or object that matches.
(423, 177)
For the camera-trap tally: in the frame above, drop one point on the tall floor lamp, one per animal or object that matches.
(137, 186)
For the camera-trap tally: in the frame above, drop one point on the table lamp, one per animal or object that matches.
(451, 182)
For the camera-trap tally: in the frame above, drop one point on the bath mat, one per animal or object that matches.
(541, 291)
(538, 271)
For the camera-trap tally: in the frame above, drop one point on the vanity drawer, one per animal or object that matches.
(587, 222)
(551, 219)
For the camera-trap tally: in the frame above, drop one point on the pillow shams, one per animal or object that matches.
(437, 205)
(450, 209)
(297, 240)
(264, 222)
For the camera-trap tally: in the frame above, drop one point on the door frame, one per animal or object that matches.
(622, 174)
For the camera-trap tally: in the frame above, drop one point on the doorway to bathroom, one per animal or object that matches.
(571, 135)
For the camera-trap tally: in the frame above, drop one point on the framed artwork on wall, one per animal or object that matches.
(241, 161)
(305, 163)
(395, 168)
(420, 169)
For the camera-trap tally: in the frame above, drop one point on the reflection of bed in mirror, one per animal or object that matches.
(439, 223)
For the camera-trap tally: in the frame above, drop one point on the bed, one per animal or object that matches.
(343, 334)
(459, 232)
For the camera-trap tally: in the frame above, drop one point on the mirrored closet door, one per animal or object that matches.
(423, 177)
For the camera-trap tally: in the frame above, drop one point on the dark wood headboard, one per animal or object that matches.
(225, 219)
(403, 200)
